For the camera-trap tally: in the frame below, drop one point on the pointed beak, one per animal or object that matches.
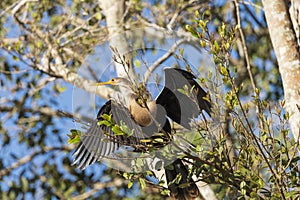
(102, 83)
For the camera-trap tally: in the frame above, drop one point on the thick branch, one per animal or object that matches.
(286, 49)
(59, 70)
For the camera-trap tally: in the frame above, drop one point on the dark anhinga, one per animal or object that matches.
(146, 116)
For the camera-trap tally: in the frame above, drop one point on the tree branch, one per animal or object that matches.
(163, 58)
(116, 182)
(244, 44)
(28, 158)
(46, 111)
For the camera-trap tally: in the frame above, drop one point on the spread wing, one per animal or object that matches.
(176, 97)
(100, 141)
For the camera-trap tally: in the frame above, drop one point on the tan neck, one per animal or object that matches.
(143, 115)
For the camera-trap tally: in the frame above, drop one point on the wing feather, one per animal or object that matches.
(101, 142)
(180, 107)
(96, 143)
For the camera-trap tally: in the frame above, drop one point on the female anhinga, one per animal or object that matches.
(145, 117)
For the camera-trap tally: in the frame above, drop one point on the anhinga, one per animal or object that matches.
(181, 100)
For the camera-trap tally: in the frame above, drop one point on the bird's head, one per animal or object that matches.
(118, 81)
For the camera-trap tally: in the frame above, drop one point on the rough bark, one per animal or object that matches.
(114, 12)
(295, 18)
(287, 52)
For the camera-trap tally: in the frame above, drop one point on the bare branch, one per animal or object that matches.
(42, 83)
(172, 23)
(244, 43)
(60, 70)
(161, 32)
(258, 109)
(28, 158)
(20, 4)
(162, 59)
(116, 182)
(252, 4)
(46, 111)
(44, 179)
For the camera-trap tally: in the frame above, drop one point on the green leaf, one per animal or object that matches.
(257, 91)
(24, 184)
(39, 44)
(130, 184)
(149, 173)
(181, 90)
(184, 90)
(227, 46)
(158, 140)
(202, 24)
(286, 116)
(161, 183)
(223, 70)
(176, 180)
(291, 194)
(74, 138)
(217, 47)
(191, 30)
(222, 30)
(116, 129)
(107, 117)
(69, 191)
(197, 14)
(192, 89)
(59, 88)
(181, 51)
(184, 185)
(165, 192)
(98, 16)
(242, 186)
(142, 183)
(145, 140)
(209, 75)
(202, 43)
(124, 128)
(15, 58)
(127, 175)
(137, 63)
(104, 122)
(12, 194)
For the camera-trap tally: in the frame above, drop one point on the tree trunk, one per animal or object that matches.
(114, 12)
(287, 51)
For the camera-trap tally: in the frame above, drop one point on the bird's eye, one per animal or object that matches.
(112, 79)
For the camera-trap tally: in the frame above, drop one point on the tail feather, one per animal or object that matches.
(185, 189)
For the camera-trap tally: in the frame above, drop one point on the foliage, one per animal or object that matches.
(74, 137)
(265, 163)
